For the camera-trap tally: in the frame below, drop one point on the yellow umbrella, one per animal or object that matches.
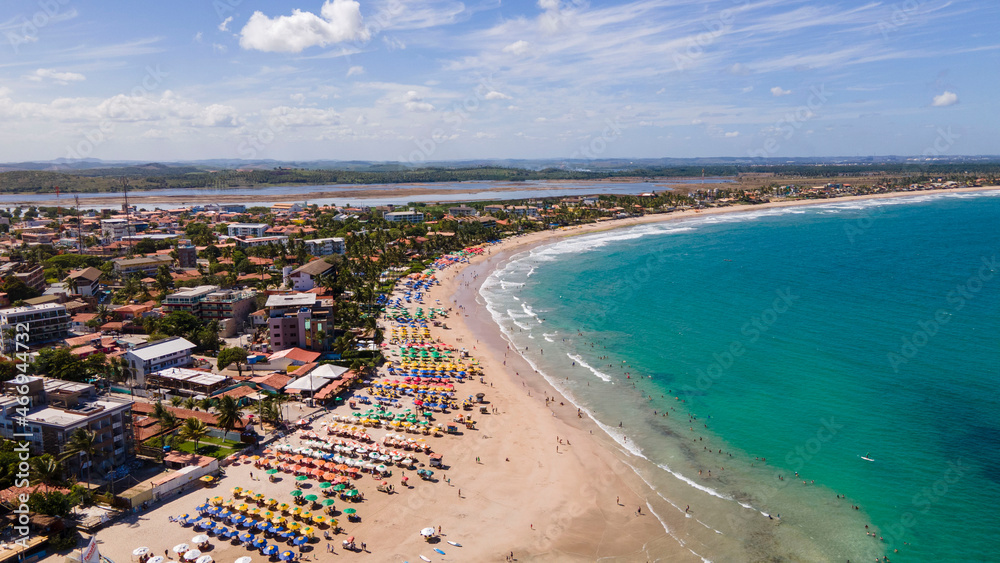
(277, 519)
(306, 515)
(294, 526)
(308, 531)
(267, 515)
(319, 520)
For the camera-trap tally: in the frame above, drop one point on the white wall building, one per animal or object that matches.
(155, 356)
(247, 229)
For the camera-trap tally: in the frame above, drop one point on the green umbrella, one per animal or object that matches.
(350, 511)
(325, 485)
(339, 487)
(271, 471)
(311, 498)
(352, 493)
(301, 478)
(329, 502)
(296, 493)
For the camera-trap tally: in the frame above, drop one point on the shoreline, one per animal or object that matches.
(462, 289)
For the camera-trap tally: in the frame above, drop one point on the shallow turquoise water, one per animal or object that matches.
(806, 336)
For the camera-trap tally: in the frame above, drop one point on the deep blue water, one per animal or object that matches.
(808, 336)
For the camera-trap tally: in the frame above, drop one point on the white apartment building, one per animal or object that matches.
(155, 356)
(36, 323)
(326, 246)
(410, 216)
(247, 229)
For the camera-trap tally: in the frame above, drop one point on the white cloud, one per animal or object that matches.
(197, 37)
(355, 70)
(393, 44)
(339, 20)
(747, 89)
(224, 26)
(494, 95)
(660, 91)
(298, 98)
(732, 133)
(945, 99)
(219, 48)
(289, 116)
(55, 76)
(415, 103)
(778, 91)
(484, 135)
(519, 48)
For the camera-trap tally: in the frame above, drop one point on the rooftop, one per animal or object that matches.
(153, 350)
(191, 375)
(291, 300)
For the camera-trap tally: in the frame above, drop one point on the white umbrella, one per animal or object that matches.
(204, 559)
(140, 551)
(427, 532)
(192, 555)
(200, 539)
(157, 559)
(181, 548)
(243, 560)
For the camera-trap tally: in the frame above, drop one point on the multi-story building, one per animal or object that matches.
(230, 307)
(57, 409)
(40, 324)
(247, 229)
(326, 246)
(144, 265)
(410, 216)
(116, 229)
(155, 356)
(299, 320)
(260, 241)
(33, 276)
(85, 282)
(187, 256)
(462, 211)
(188, 299)
(304, 277)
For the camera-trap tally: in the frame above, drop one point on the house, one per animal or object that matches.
(187, 382)
(326, 246)
(281, 360)
(410, 216)
(85, 282)
(260, 241)
(32, 276)
(42, 323)
(247, 229)
(304, 277)
(58, 408)
(156, 356)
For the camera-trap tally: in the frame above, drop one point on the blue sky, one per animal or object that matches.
(448, 79)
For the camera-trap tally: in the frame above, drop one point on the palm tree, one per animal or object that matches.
(167, 420)
(45, 469)
(176, 401)
(194, 429)
(190, 403)
(229, 413)
(81, 441)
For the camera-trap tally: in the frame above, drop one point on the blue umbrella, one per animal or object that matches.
(300, 540)
(274, 529)
(287, 534)
(221, 530)
(246, 537)
(262, 525)
(270, 550)
(202, 507)
(259, 543)
(286, 556)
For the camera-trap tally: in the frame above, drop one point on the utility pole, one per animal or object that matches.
(79, 225)
(128, 214)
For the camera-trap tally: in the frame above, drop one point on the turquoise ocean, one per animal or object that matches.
(795, 341)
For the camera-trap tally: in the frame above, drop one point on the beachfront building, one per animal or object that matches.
(410, 216)
(156, 356)
(244, 230)
(58, 408)
(115, 229)
(40, 323)
(285, 208)
(326, 246)
(304, 277)
(187, 256)
(299, 320)
(184, 382)
(143, 265)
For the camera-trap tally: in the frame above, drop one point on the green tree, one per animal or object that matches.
(194, 430)
(81, 441)
(230, 356)
(228, 413)
(190, 404)
(16, 289)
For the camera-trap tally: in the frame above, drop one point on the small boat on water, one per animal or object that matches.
(867, 457)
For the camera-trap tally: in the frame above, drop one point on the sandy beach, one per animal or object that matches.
(548, 485)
